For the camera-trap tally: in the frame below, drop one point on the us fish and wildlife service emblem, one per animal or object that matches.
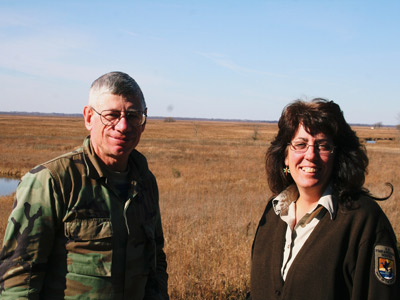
(385, 264)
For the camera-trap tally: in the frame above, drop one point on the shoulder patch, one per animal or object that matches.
(37, 169)
(385, 264)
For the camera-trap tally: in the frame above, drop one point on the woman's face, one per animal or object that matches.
(312, 169)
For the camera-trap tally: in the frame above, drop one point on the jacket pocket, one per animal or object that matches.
(89, 246)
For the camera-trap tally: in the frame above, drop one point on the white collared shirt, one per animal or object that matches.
(296, 235)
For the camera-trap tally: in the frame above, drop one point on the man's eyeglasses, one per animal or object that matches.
(112, 117)
(323, 148)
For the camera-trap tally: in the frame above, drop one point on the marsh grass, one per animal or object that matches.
(212, 189)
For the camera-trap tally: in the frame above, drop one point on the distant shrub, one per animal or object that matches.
(176, 173)
(169, 119)
(255, 134)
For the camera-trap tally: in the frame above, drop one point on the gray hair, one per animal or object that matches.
(115, 83)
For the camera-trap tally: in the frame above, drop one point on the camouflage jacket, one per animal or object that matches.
(70, 236)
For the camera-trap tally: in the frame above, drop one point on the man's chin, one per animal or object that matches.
(122, 149)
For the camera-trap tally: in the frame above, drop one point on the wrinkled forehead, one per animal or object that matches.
(109, 101)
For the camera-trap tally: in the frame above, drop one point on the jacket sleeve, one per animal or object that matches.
(377, 262)
(29, 236)
(157, 285)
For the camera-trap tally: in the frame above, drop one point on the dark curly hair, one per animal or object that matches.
(320, 116)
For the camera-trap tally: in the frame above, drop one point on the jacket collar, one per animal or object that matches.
(281, 202)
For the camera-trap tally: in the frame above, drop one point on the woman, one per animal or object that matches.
(322, 235)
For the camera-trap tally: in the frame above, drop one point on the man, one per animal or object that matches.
(87, 224)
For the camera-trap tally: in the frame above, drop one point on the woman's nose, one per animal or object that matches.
(311, 151)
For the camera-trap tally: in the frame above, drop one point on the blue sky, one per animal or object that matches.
(205, 59)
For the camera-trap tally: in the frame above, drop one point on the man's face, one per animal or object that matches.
(113, 143)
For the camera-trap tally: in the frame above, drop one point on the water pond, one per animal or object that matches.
(8, 185)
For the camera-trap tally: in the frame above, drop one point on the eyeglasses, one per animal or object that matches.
(323, 148)
(112, 117)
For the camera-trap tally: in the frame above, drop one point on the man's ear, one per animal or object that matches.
(88, 117)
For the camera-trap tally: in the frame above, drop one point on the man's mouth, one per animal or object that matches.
(120, 139)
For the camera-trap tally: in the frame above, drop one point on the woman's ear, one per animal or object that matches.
(144, 125)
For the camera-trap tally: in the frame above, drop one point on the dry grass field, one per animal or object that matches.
(212, 188)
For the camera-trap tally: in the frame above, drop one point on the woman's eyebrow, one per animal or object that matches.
(300, 138)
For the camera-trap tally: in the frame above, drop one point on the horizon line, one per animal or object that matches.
(54, 114)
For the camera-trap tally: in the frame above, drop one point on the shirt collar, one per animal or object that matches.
(96, 168)
(281, 202)
(328, 201)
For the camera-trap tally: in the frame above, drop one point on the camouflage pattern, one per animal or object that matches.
(70, 236)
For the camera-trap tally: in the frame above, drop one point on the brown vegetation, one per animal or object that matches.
(212, 189)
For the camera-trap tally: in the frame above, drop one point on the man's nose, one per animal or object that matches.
(122, 123)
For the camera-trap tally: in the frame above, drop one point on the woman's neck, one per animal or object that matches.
(305, 204)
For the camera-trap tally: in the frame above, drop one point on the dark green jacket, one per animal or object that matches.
(70, 236)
